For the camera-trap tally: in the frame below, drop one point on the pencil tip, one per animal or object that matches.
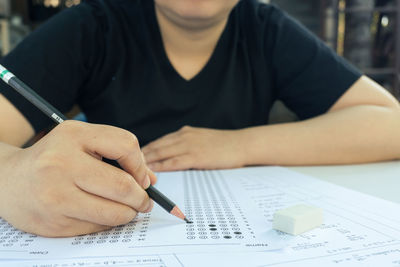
(187, 221)
(178, 213)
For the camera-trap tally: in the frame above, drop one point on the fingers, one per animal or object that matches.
(115, 144)
(153, 177)
(182, 162)
(79, 227)
(112, 183)
(75, 227)
(67, 189)
(163, 141)
(170, 152)
(99, 211)
(162, 153)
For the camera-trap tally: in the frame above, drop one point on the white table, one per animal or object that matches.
(378, 179)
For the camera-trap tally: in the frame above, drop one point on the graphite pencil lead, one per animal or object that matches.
(178, 213)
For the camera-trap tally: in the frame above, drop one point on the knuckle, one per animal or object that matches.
(185, 128)
(159, 165)
(175, 162)
(100, 214)
(123, 185)
(157, 152)
(69, 126)
(130, 140)
(122, 216)
(155, 166)
(130, 214)
(116, 219)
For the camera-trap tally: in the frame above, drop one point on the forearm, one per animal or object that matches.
(356, 134)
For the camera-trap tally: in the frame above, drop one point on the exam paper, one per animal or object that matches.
(376, 257)
(232, 213)
(358, 230)
(131, 261)
(223, 220)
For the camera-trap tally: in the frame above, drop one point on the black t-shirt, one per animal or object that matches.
(107, 56)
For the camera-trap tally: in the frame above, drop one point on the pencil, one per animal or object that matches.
(59, 118)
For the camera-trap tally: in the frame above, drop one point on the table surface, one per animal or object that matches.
(378, 179)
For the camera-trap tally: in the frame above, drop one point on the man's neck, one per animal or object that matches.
(189, 46)
(189, 37)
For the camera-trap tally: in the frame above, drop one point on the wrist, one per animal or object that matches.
(253, 142)
(7, 165)
(243, 150)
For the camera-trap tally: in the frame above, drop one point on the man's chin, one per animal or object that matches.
(197, 15)
(194, 20)
(198, 10)
(199, 22)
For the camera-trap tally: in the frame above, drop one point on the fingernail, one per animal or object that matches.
(146, 182)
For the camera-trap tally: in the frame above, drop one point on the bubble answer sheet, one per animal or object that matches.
(232, 214)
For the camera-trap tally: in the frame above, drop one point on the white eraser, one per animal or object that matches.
(297, 219)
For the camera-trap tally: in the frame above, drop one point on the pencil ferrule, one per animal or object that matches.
(5, 75)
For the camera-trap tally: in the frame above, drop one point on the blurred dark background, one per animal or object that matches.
(366, 32)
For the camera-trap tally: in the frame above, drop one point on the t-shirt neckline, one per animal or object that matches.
(207, 69)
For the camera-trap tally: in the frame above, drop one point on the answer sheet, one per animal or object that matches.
(232, 213)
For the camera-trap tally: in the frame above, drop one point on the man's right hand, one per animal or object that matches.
(60, 187)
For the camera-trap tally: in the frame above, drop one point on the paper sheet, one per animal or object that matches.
(131, 261)
(222, 222)
(232, 212)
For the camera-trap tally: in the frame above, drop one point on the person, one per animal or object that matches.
(173, 85)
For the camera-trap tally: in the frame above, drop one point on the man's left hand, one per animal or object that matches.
(196, 148)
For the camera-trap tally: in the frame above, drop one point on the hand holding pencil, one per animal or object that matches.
(66, 189)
